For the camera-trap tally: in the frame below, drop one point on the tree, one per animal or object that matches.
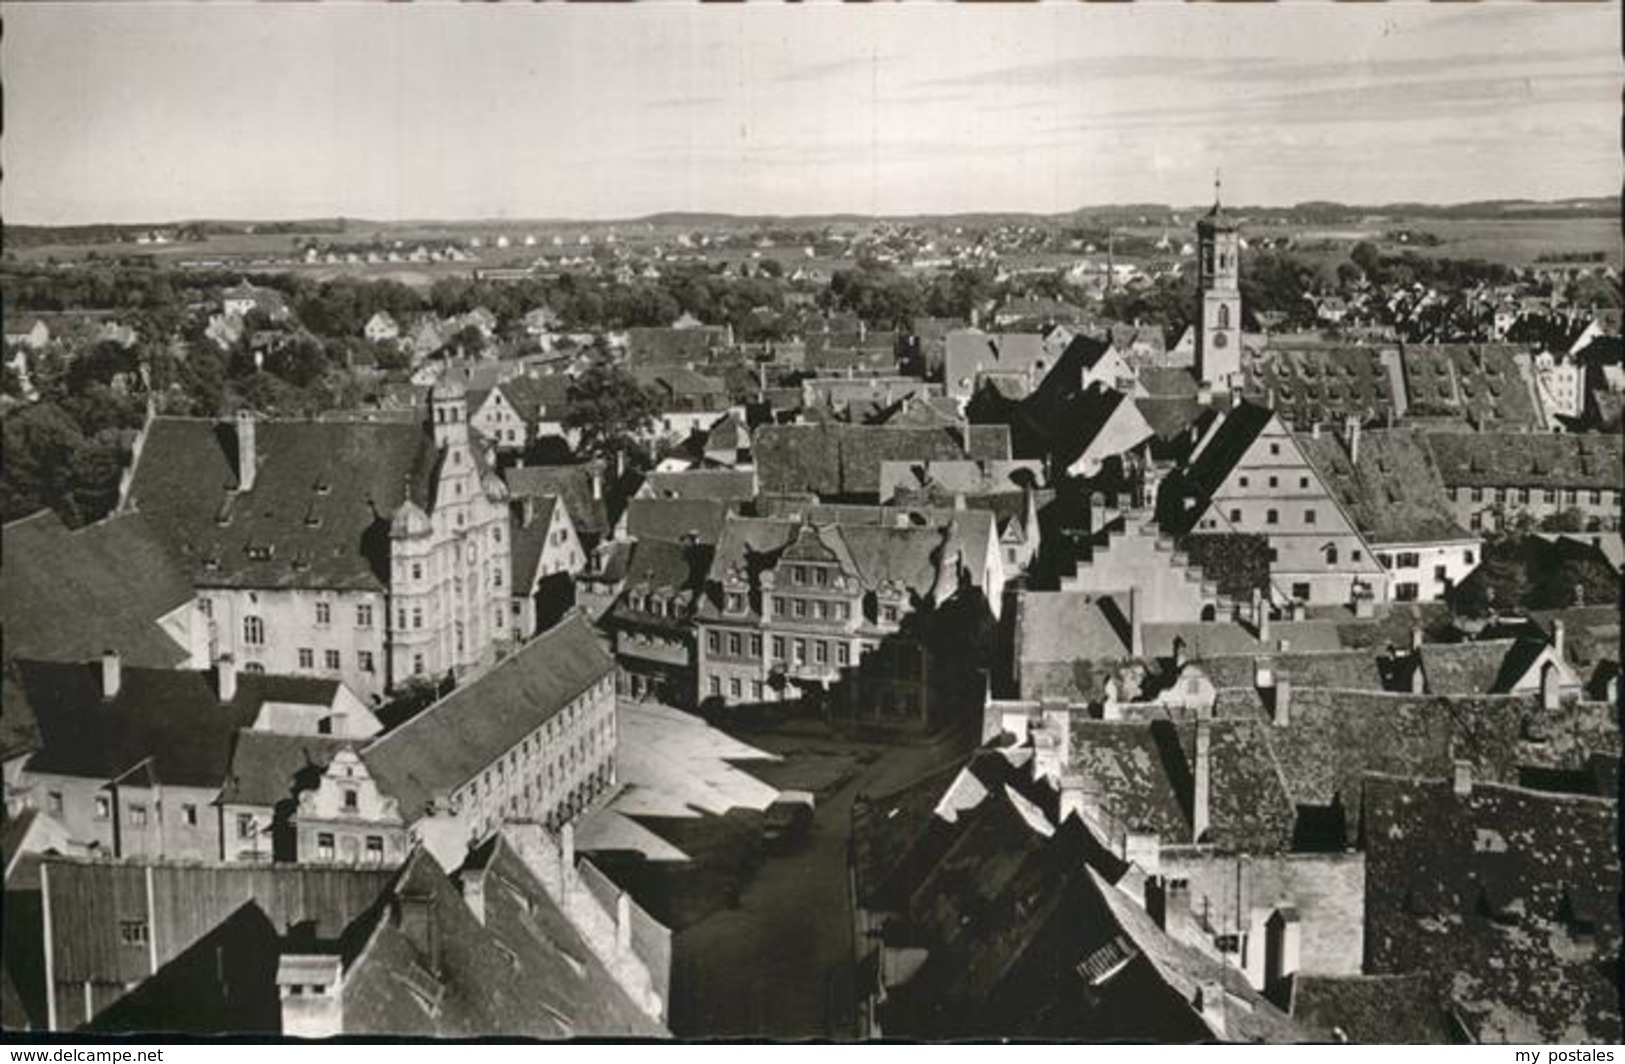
(1501, 581)
(1576, 581)
(611, 411)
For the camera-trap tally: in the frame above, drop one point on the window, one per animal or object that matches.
(1468, 557)
(1275, 449)
(1272, 517)
(331, 659)
(104, 807)
(1303, 482)
(1235, 516)
(1309, 517)
(189, 814)
(132, 932)
(713, 642)
(375, 849)
(254, 631)
(716, 686)
(400, 618)
(799, 607)
(1354, 555)
(736, 602)
(1441, 573)
(778, 648)
(780, 606)
(417, 570)
(889, 614)
(138, 816)
(324, 613)
(1405, 592)
(53, 803)
(1331, 555)
(363, 660)
(307, 658)
(1275, 482)
(843, 654)
(1224, 308)
(756, 690)
(755, 646)
(736, 645)
(417, 664)
(1242, 481)
(417, 616)
(1596, 498)
(1300, 592)
(843, 610)
(1546, 496)
(206, 606)
(324, 846)
(735, 689)
(352, 800)
(245, 826)
(1409, 559)
(821, 576)
(821, 652)
(1478, 495)
(800, 648)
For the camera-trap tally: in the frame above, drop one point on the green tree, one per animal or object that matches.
(611, 411)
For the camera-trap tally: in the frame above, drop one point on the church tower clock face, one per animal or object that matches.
(1220, 340)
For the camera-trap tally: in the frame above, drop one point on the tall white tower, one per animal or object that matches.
(1218, 278)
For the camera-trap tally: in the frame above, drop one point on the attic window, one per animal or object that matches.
(322, 486)
(260, 552)
(1104, 963)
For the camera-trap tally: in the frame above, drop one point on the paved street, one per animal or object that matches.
(780, 964)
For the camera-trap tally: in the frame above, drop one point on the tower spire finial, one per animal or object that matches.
(1215, 186)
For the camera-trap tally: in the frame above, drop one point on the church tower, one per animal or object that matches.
(1218, 279)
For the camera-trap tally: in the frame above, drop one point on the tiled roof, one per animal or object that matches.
(459, 736)
(1168, 416)
(525, 971)
(1353, 670)
(674, 519)
(1481, 381)
(960, 477)
(1239, 430)
(655, 345)
(734, 485)
(1512, 893)
(1168, 384)
(1480, 668)
(1129, 767)
(68, 596)
(172, 717)
(535, 398)
(1394, 493)
(988, 443)
(1065, 626)
(843, 460)
(1321, 383)
(1372, 1009)
(268, 768)
(680, 388)
(1535, 460)
(572, 483)
(529, 538)
(321, 501)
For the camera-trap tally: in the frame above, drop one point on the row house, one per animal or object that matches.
(514, 413)
(531, 739)
(368, 552)
(139, 762)
(792, 606)
(1495, 477)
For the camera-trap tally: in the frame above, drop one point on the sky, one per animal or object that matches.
(165, 111)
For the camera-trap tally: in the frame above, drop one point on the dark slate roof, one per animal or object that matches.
(1488, 666)
(1162, 383)
(1168, 416)
(988, 442)
(322, 499)
(524, 972)
(459, 736)
(268, 768)
(1394, 493)
(1134, 766)
(68, 596)
(1512, 892)
(734, 485)
(841, 459)
(173, 717)
(572, 483)
(1372, 1009)
(672, 571)
(674, 519)
(1534, 460)
(536, 398)
(1351, 670)
(19, 731)
(680, 388)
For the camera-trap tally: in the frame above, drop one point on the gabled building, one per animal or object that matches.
(546, 553)
(971, 353)
(516, 412)
(365, 551)
(381, 328)
(531, 738)
(1249, 474)
(1387, 481)
(1494, 477)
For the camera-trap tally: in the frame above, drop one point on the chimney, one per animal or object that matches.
(1283, 700)
(225, 674)
(1071, 798)
(247, 453)
(1263, 622)
(1202, 772)
(1110, 707)
(1461, 781)
(112, 674)
(623, 922)
(1210, 1003)
(1314, 430)
(472, 882)
(308, 985)
(597, 484)
(1557, 640)
(1180, 659)
(1136, 633)
(1551, 691)
(1416, 638)
(1283, 936)
(567, 854)
(1352, 425)
(1143, 849)
(1168, 902)
(417, 920)
(959, 501)
(1419, 678)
